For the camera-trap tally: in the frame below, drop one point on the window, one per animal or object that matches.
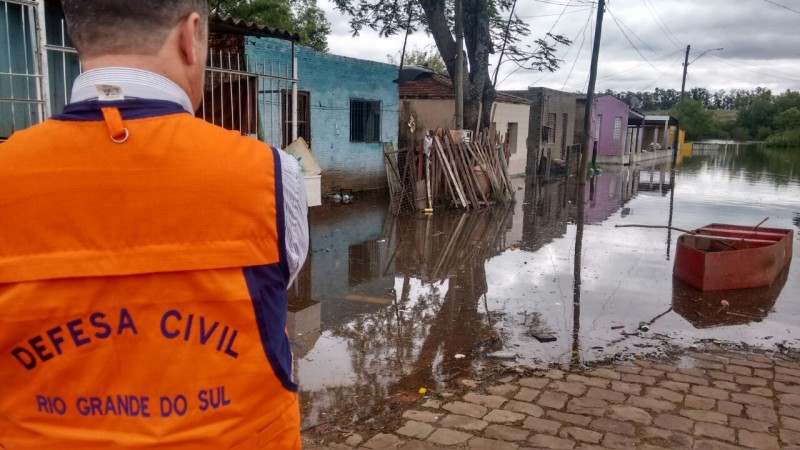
(551, 125)
(303, 116)
(365, 121)
(617, 128)
(511, 135)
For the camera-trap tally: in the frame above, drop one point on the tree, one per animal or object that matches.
(695, 120)
(303, 17)
(424, 57)
(488, 25)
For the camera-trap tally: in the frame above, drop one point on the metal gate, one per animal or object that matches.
(23, 96)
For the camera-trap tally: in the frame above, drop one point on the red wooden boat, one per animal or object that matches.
(718, 257)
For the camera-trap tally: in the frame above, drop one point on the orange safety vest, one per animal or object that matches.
(142, 284)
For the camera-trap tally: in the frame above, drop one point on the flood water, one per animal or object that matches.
(385, 306)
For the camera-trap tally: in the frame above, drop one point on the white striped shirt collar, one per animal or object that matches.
(134, 83)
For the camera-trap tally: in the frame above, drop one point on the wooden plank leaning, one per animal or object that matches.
(448, 171)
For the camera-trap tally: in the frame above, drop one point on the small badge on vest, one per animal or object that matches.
(109, 92)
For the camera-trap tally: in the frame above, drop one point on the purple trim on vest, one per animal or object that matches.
(130, 109)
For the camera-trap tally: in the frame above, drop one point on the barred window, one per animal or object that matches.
(551, 124)
(617, 128)
(365, 121)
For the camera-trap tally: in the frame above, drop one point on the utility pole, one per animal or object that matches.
(458, 83)
(587, 117)
(676, 138)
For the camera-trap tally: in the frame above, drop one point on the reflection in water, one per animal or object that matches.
(725, 308)
(394, 301)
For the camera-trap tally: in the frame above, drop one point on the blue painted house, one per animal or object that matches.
(347, 108)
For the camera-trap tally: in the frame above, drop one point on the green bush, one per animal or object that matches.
(788, 138)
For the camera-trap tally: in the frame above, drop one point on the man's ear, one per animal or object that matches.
(189, 35)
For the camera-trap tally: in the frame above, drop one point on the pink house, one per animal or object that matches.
(610, 130)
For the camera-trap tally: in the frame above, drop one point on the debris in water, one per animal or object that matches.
(543, 336)
(725, 303)
(460, 356)
(618, 327)
(503, 354)
(422, 390)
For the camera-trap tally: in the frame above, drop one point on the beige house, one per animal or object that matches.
(428, 97)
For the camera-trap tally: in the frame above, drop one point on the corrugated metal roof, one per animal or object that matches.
(230, 25)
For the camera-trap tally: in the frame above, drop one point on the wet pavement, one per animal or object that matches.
(387, 306)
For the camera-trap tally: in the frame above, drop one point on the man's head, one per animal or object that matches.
(165, 36)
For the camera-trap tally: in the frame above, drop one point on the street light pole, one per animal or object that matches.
(680, 104)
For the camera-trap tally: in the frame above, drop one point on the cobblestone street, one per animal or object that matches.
(699, 401)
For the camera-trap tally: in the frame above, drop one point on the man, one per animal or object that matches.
(145, 254)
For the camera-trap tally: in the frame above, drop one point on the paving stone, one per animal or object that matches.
(613, 426)
(612, 440)
(506, 380)
(590, 406)
(421, 416)
(760, 358)
(525, 408)
(751, 381)
(787, 370)
(684, 440)
(606, 394)
(695, 402)
(446, 436)
(663, 394)
(652, 373)
(729, 408)
(786, 388)
(575, 389)
(707, 357)
(626, 388)
(580, 434)
(432, 404)
(505, 433)
(763, 373)
(693, 371)
(527, 394)
(541, 425)
(419, 430)
(790, 423)
(503, 416)
(709, 365)
(640, 379)
(466, 409)
(710, 392)
(463, 422)
(354, 440)
(713, 445)
(554, 374)
(717, 375)
(665, 367)
(790, 437)
(727, 385)
(791, 411)
(534, 382)
(503, 390)
(781, 363)
(763, 414)
(749, 424)
(555, 400)
(551, 442)
(651, 403)
(750, 399)
(705, 416)
(383, 441)
(628, 369)
(489, 401)
(470, 383)
(753, 364)
(630, 414)
(739, 370)
(588, 381)
(715, 431)
(762, 391)
(605, 373)
(676, 386)
(789, 399)
(479, 443)
(673, 422)
(569, 418)
(760, 441)
(687, 379)
(787, 378)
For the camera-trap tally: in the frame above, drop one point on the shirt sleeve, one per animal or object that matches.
(295, 213)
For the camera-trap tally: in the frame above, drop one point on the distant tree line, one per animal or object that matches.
(760, 115)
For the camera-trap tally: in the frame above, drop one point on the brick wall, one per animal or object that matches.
(332, 82)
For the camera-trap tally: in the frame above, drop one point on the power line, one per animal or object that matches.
(631, 42)
(553, 15)
(783, 6)
(634, 68)
(664, 29)
(577, 56)
(662, 75)
(754, 71)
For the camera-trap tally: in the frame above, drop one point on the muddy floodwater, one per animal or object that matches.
(386, 306)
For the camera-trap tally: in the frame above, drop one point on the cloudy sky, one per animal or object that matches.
(643, 44)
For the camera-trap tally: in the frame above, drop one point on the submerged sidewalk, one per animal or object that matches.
(699, 401)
